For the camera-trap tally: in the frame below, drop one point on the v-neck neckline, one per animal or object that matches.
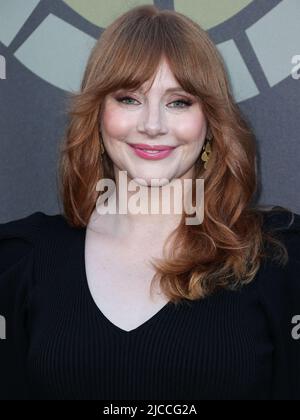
(91, 301)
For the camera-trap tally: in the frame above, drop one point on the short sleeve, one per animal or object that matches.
(16, 279)
(280, 298)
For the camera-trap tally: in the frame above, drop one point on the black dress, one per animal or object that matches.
(233, 345)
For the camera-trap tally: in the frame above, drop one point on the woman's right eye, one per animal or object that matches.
(124, 98)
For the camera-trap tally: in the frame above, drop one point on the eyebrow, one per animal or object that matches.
(173, 89)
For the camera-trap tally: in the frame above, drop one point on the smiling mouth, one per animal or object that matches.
(147, 152)
(148, 148)
(152, 152)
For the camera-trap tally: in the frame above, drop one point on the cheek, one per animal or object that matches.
(192, 130)
(116, 123)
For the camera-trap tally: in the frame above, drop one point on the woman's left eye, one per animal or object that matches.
(186, 103)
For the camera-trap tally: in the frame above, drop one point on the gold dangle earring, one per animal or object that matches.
(206, 151)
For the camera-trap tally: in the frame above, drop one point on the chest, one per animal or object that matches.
(217, 347)
(119, 279)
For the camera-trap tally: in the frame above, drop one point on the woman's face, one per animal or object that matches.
(156, 118)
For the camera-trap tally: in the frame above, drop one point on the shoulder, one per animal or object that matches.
(279, 284)
(280, 218)
(284, 224)
(279, 295)
(29, 227)
(19, 237)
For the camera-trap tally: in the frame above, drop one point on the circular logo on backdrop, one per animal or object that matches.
(57, 50)
(206, 12)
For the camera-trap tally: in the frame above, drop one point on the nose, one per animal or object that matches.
(153, 123)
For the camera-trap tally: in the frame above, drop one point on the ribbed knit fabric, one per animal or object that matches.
(233, 345)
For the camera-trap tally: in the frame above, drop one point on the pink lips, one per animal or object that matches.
(154, 152)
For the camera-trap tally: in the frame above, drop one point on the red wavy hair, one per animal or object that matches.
(226, 250)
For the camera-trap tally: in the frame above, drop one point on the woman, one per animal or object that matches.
(76, 288)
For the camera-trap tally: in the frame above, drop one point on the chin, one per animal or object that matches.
(156, 181)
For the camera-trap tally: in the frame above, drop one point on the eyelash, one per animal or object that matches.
(187, 103)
